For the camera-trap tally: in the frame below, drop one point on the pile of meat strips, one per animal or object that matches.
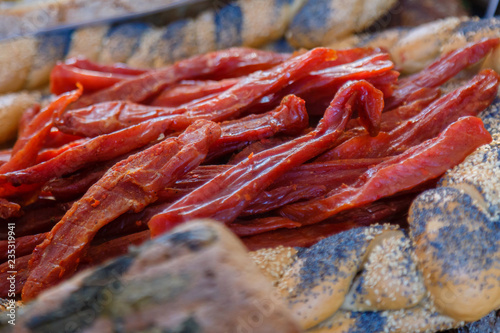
(283, 149)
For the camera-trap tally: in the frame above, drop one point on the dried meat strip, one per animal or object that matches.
(281, 196)
(96, 255)
(393, 118)
(187, 91)
(98, 149)
(257, 226)
(20, 275)
(64, 78)
(226, 63)
(8, 209)
(29, 144)
(130, 185)
(467, 100)
(288, 118)
(419, 164)
(225, 196)
(305, 236)
(108, 117)
(38, 217)
(23, 245)
(441, 70)
(324, 83)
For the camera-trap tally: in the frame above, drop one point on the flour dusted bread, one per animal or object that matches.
(197, 278)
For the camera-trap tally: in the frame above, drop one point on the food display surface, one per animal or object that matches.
(354, 188)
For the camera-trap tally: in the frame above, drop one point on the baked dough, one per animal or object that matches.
(198, 278)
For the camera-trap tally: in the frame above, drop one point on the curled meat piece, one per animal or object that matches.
(467, 100)
(27, 147)
(130, 185)
(229, 193)
(226, 63)
(423, 162)
(108, 117)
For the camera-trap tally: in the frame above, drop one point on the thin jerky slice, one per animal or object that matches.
(467, 100)
(130, 185)
(230, 63)
(288, 118)
(393, 118)
(441, 70)
(376, 212)
(108, 117)
(8, 209)
(417, 165)
(23, 245)
(260, 225)
(187, 91)
(101, 148)
(225, 196)
(27, 146)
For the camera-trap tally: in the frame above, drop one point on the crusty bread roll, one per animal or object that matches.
(198, 278)
(324, 21)
(389, 279)
(317, 282)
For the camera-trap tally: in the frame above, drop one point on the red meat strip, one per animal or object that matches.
(95, 255)
(29, 144)
(21, 269)
(261, 225)
(417, 165)
(64, 78)
(376, 212)
(229, 63)
(108, 117)
(228, 194)
(8, 209)
(116, 68)
(441, 70)
(187, 91)
(27, 118)
(289, 118)
(129, 185)
(38, 217)
(393, 118)
(468, 100)
(280, 196)
(24, 245)
(101, 148)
